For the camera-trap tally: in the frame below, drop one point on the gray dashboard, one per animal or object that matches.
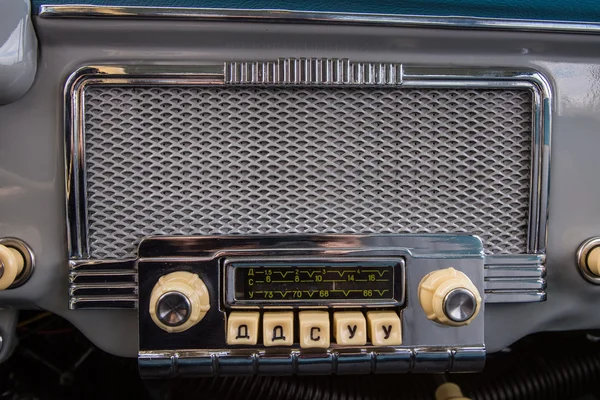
(32, 129)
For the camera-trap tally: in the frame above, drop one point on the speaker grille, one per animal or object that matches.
(224, 160)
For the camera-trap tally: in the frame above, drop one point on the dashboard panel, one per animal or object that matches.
(153, 145)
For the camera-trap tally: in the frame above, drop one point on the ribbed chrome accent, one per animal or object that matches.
(103, 284)
(515, 279)
(313, 71)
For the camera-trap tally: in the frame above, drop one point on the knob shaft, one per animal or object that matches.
(449, 297)
(179, 300)
(11, 265)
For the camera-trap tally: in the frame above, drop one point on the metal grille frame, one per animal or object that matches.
(284, 72)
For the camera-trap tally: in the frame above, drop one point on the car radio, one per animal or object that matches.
(306, 215)
(310, 304)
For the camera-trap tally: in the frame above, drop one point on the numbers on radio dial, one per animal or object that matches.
(306, 283)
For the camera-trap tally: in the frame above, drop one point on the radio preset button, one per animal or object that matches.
(278, 328)
(384, 328)
(314, 329)
(350, 328)
(242, 328)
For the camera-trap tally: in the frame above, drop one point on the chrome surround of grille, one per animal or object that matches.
(422, 77)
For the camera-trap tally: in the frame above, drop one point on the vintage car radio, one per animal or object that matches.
(310, 304)
(306, 215)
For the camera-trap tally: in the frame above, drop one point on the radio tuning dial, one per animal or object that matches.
(449, 297)
(179, 301)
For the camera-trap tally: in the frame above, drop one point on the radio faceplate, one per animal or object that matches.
(283, 337)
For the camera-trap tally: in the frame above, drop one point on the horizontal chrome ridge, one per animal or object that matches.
(163, 364)
(515, 279)
(313, 71)
(103, 284)
(315, 17)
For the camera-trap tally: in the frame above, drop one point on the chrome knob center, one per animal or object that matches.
(173, 308)
(460, 304)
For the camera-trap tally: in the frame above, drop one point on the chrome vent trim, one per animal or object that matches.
(103, 284)
(515, 279)
(313, 71)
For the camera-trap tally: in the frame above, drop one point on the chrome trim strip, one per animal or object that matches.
(515, 271)
(101, 289)
(101, 275)
(315, 17)
(505, 261)
(512, 296)
(535, 284)
(198, 247)
(171, 363)
(103, 302)
(94, 265)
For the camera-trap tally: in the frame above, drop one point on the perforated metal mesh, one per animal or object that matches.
(227, 160)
